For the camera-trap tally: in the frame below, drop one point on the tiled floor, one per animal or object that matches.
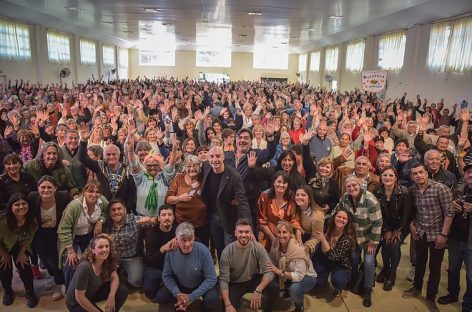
(316, 301)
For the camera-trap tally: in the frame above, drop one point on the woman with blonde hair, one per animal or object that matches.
(259, 140)
(96, 279)
(291, 264)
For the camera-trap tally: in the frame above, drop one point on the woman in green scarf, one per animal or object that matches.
(152, 177)
(292, 265)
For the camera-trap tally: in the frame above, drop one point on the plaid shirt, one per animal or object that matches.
(367, 217)
(432, 206)
(128, 238)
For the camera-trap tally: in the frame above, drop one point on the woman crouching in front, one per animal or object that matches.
(96, 279)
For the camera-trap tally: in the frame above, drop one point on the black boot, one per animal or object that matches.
(390, 282)
(367, 301)
(31, 299)
(299, 309)
(8, 296)
(382, 276)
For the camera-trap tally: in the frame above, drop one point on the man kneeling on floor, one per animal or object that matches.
(243, 269)
(189, 273)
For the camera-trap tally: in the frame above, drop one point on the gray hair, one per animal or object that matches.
(184, 229)
(192, 158)
(352, 178)
(429, 152)
(142, 145)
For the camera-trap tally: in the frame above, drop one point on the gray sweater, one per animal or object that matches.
(240, 265)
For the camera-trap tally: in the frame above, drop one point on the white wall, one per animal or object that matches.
(414, 78)
(39, 68)
(185, 65)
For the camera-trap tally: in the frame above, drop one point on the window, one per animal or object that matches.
(213, 57)
(88, 55)
(270, 58)
(108, 55)
(58, 47)
(157, 57)
(14, 41)
(450, 46)
(331, 59)
(392, 51)
(302, 63)
(355, 56)
(315, 61)
(123, 63)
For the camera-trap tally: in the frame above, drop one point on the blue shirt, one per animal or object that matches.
(194, 271)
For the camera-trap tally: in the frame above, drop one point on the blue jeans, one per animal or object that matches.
(458, 253)
(369, 265)
(220, 237)
(298, 289)
(134, 268)
(323, 267)
(80, 244)
(152, 281)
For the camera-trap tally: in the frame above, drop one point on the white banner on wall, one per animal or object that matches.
(374, 80)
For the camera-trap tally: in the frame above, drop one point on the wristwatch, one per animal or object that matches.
(258, 290)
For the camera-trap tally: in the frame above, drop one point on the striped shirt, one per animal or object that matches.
(432, 205)
(367, 217)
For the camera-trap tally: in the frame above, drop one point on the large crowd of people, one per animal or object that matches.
(155, 185)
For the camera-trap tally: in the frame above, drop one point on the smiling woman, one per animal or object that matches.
(18, 229)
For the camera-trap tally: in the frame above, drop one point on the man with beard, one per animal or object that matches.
(69, 151)
(243, 269)
(126, 229)
(238, 160)
(159, 240)
(430, 229)
(189, 273)
(223, 194)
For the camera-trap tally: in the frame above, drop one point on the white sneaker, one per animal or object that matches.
(411, 275)
(57, 293)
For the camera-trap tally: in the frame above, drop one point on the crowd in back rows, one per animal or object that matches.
(289, 184)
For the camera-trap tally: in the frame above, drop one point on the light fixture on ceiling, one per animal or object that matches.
(242, 35)
(150, 10)
(127, 31)
(73, 8)
(336, 16)
(254, 13)
(166, 24)
(106, 22)
(247, 26)
(284, 42)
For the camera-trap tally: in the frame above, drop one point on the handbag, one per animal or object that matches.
(357, 284)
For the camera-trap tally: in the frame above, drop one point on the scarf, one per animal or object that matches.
(294, 251)
(25, 154)
(318, 181)
(151, 199)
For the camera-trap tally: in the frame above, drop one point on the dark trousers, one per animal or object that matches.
(47, 251)
(459, 253)
(211, 299)
(391, 253)
(435, 259)
(202, 235)
(270, 293)
(102, 295)
(219, 236)
(26, 275)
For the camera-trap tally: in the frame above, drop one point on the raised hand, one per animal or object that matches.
(8, 131)
(251, 159)
(465, 114)
(84, 132)
(308, 135)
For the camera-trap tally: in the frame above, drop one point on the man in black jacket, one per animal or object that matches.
(224, 196)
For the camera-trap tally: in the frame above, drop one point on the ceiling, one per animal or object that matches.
(240, 25)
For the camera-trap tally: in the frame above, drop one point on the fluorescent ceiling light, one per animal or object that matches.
(336, 16)
(254, 13)
(73, 8)
(150, 10)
